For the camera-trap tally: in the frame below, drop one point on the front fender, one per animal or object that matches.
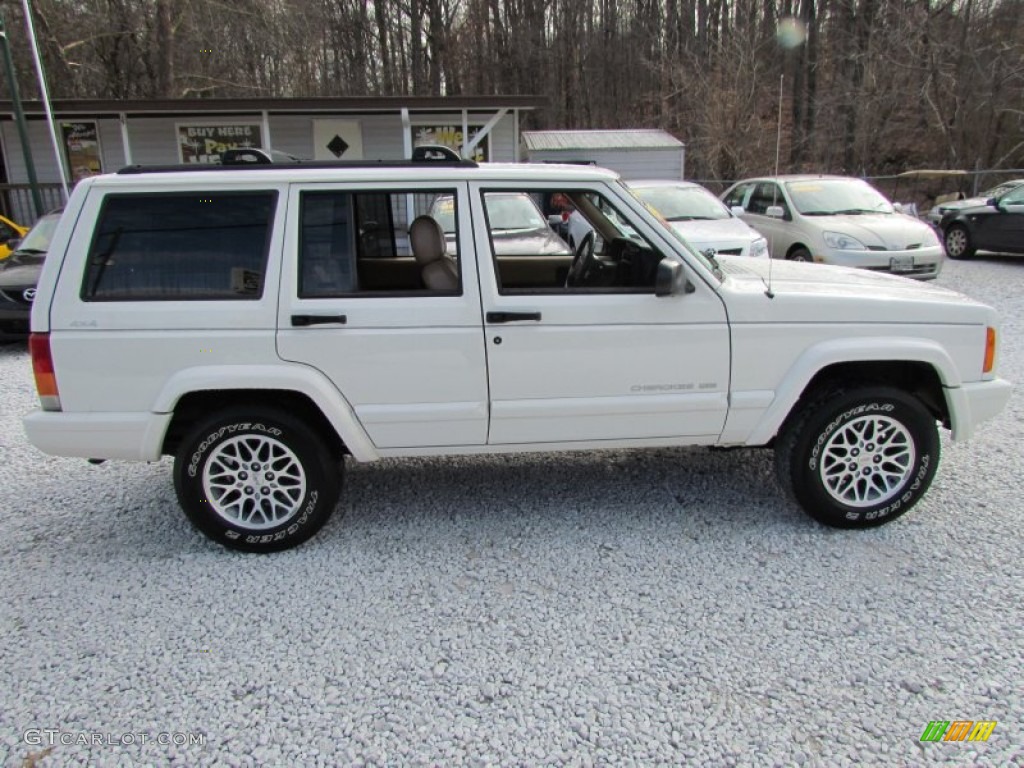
(820, 356)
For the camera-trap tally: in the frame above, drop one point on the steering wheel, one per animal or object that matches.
(583, 263)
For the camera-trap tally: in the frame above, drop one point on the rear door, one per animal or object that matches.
(410, 361)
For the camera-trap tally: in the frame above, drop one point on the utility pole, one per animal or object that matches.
(19, 118)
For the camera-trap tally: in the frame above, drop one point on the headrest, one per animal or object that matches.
(427, 239)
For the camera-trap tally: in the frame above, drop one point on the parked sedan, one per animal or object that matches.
(19, 275)
(517, 227)
(996, 225)
(938, 212)
(700, 217)
(837, 220)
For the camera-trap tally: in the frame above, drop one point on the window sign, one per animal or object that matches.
(451, 136)
(82, 147)
(204, 143)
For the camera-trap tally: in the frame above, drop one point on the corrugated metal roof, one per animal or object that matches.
(641, 138)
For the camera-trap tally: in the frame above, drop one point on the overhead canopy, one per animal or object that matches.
(334, 105)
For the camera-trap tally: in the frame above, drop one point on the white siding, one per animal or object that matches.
(630, 164)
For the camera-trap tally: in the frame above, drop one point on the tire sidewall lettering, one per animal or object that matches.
(211, 439)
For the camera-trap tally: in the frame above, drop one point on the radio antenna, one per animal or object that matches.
(775, 187)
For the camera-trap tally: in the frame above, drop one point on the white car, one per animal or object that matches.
(261, 324)
(837, 220)
(696, 214)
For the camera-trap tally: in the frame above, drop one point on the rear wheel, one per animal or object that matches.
(799, 254)
(256, 479)
(958, 242)
(858, 457)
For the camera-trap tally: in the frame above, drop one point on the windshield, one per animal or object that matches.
(38, 238)
(516, 211)
(1000, 189)
(825, 197)
(709, 264)
(683, 203)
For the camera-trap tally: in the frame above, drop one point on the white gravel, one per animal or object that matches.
(664, 607)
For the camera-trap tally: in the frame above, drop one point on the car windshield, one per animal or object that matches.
(683, 203)
(827, 197)
(38, 238)
(710, 264)
(1001, 189)
(509, 212)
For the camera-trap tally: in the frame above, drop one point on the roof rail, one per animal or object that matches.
(341, 165)
(433, 153)
(256, 155)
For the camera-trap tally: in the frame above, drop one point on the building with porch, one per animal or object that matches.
(104, 135)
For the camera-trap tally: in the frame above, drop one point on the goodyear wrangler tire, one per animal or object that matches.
(257, 480)
(858, 457)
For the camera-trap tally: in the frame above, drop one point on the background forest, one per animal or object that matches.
(870, 87)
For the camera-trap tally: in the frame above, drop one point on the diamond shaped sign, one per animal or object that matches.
(337, 145)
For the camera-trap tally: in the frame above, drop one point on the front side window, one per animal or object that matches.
(372, 243)
(196, 245)
(591, 246)
(737, 194)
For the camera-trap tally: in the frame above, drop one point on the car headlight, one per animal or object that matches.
(841, 242)
(759, 248)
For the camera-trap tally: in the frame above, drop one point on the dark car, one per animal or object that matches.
(998, 226)
(18, 277)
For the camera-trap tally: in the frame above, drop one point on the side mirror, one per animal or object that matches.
(13, 243)
(994, 202)
(671, 279)
(775, 212)
(555, 220)
(737, 210)
(898, 207)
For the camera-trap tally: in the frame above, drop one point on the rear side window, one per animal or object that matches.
(360, 243)
(166, 247)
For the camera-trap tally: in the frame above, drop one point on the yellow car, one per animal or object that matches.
(8, 231)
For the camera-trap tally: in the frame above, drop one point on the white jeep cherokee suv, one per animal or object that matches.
(260, 323)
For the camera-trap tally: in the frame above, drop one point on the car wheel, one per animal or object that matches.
(858, 457)
(958, 242)
(257, 480)
(799, 254)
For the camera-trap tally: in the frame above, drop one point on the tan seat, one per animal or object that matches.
(428, 246)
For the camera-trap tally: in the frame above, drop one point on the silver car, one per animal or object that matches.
(837, 220)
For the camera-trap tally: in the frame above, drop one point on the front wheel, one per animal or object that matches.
(958, 242)
(256, 479)
(799, 254)
(858, 457)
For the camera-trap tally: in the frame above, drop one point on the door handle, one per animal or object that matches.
(302, 321)
(511, 317)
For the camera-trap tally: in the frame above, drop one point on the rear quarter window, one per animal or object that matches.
(188, 246)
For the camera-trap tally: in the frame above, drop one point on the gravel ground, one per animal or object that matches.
(664, 607)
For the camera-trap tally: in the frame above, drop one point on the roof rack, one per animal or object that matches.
(256, 158)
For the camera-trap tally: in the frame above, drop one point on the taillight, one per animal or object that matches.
(990, 350)
(42, 368)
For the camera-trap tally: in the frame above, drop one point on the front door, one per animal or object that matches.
(594, 355)
(408, 358)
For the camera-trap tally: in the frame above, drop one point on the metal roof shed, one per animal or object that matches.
(635, 153)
